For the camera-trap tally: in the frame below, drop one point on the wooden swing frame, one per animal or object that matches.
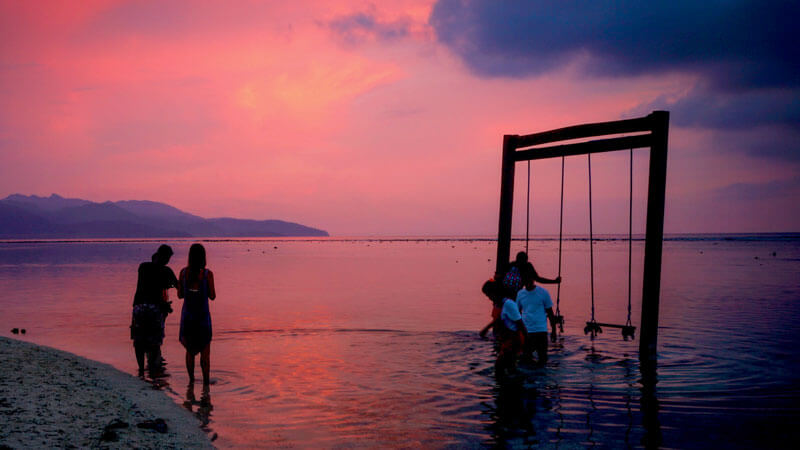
(651, 132)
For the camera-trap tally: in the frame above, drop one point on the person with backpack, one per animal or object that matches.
(151, 306)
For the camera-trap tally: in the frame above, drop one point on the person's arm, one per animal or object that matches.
(172, 281)
(486, 329)
(522, 330)
(543, 280)
(552, 318)
(212, 293)
(180, 283)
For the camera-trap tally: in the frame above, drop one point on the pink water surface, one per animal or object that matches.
(374, 342)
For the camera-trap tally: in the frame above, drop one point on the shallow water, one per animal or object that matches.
(334, 343)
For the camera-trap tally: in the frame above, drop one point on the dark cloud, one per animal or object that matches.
(771, 142)
(364, 26)
(734, 43)
(758, 191)
(744, 53)
(753, 108)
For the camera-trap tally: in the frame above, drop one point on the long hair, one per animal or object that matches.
(197, 260)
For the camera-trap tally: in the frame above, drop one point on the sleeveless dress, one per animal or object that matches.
(195, 330)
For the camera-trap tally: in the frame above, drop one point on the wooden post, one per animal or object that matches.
(654, 236)
(506, 204)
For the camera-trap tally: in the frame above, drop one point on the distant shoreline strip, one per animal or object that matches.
(611, 237)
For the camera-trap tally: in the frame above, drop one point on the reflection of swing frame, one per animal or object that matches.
(652, 131)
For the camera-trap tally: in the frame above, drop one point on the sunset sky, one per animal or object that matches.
(386, 118)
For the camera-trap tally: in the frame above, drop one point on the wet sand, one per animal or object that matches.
(54, 399)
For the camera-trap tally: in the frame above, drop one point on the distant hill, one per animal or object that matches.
(25, 217)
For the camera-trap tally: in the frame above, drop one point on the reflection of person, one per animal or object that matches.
(196, 287)
(536, 307)
(150, 307)
(204, 406)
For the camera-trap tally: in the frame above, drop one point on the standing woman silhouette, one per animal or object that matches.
(196, 287)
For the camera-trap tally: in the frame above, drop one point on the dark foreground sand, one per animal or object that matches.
(54, 399)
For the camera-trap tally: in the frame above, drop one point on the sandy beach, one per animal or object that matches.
(54, 399)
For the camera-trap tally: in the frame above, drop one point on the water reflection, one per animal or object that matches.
(585, 396)
(648, 403)
(200, 408)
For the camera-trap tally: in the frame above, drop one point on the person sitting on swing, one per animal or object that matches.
(536, 307)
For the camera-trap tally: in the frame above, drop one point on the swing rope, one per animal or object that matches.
(630, 239)
(528, 210)
(591, 234)
(560, 240)
(592, 327)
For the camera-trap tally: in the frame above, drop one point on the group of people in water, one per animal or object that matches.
(151, 305)
(520, 313)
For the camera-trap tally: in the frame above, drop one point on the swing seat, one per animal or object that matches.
(592, 328)
(596, 327)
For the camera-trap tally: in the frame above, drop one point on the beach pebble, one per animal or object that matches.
(109, 436)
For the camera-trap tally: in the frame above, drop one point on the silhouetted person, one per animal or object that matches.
(536, 307)
(196, 287)
(489, 289)
(508, 327)
(150, 307)
(512, 280)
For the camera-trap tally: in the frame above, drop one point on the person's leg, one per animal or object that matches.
(541, 348)
(205, 363)
(139, 349)
(190, 365)
(503, 350)
(527, 348)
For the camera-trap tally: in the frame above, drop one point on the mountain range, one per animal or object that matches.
(26, 217)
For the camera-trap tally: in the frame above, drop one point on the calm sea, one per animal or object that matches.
(359, 342)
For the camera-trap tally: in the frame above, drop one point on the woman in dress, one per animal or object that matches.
(196, 287)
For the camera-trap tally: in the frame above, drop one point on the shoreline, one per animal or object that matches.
(54, 399)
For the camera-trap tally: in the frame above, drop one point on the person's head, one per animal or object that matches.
(528, 274)
(522, 258)
(197, 258)
(493, 290)
(162, 255)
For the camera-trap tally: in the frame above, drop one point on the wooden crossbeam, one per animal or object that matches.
(582, 148)
(587, 130)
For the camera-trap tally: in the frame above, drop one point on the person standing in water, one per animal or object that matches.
(508, 327)
(536, 307)
(196, 287)
(151, 306)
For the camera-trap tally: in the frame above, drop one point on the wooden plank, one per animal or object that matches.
(582, 148)
(610, 325)
(587, 130)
